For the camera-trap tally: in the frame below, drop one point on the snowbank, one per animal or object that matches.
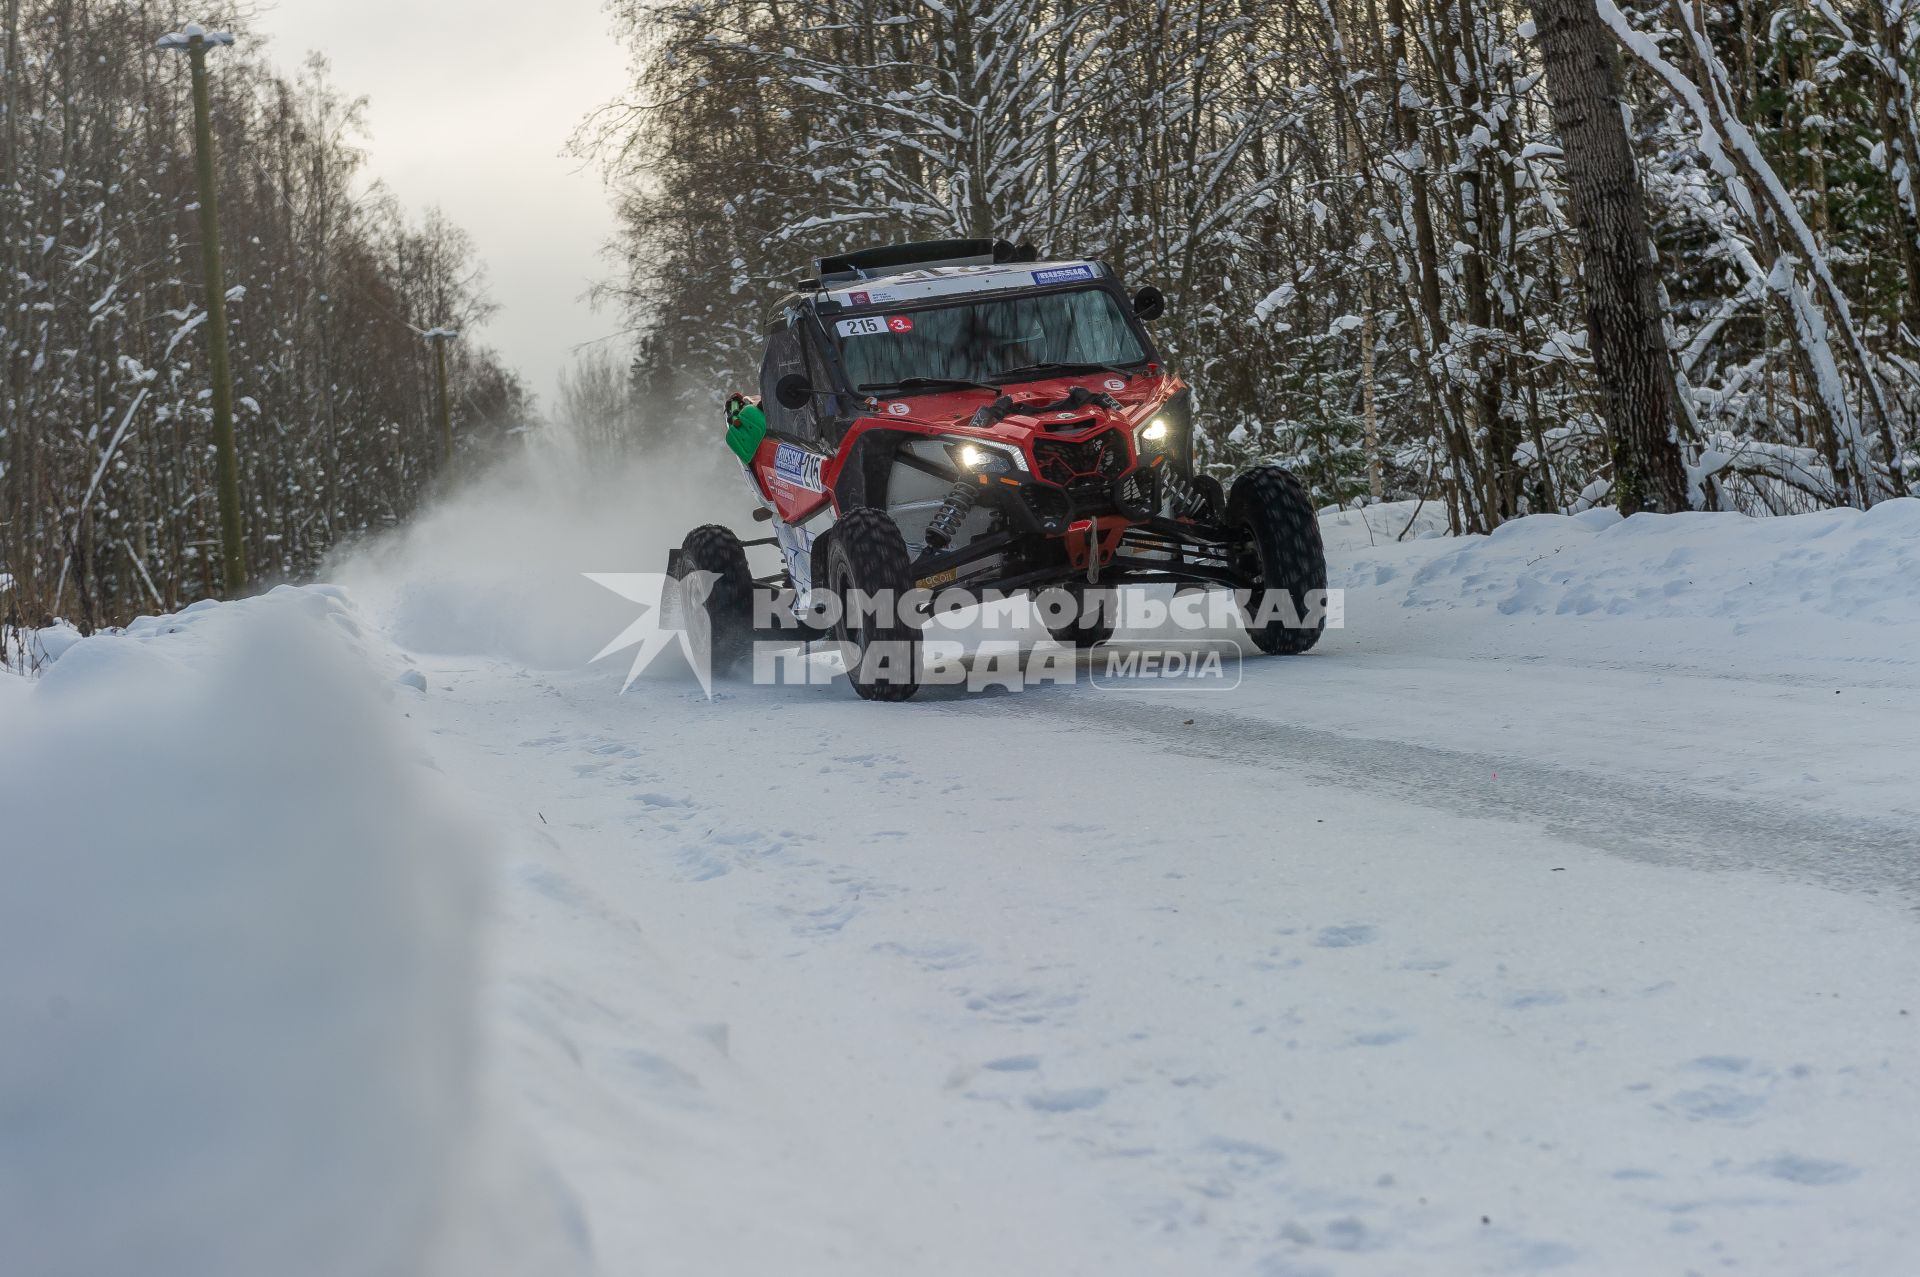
(1371, 526)
(23, 651)
(1841, 565)
(237, 967)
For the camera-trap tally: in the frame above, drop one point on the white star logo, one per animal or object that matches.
(673, 610)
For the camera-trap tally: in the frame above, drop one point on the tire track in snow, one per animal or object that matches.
(1656, 824)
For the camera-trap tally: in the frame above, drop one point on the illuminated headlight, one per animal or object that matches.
(1168, 433)
(971, 456)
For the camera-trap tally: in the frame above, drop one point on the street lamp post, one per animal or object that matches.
(194, 40)
(440, 337)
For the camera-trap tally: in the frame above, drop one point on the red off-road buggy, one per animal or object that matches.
(959, 414)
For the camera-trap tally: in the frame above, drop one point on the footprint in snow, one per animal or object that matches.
(1243, 1151)
(650, 798)
(555, 886)
(699, 864)
(824, 921)
(1714, 1104)
(1534, 998)
(1020, 1005)
(1812, 1171)
(1013, 1064)
(932, 955)
(1344, 937)
(1069, 1101)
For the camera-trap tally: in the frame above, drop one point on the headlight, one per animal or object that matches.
(1168, 433)
(972, 457)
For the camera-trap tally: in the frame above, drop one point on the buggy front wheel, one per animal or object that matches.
(1282, 554)
(869, 573)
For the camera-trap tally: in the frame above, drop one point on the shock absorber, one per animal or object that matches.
(945, 524)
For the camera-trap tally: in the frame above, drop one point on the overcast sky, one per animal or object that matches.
(472, 102)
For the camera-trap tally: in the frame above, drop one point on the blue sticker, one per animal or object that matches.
(1062, 274)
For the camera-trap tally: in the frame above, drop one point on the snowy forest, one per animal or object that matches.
(106, 466)
(1363, 214)
(1358, 210)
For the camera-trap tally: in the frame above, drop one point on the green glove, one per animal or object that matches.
(746, 427)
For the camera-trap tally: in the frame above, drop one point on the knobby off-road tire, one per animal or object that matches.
(866, 553)
(727, 613)
(1284, 552)
(1093, 617)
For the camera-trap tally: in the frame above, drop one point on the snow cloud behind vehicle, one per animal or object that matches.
(495, 567)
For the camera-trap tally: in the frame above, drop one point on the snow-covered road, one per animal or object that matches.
(1557, 914)
(1547, 917)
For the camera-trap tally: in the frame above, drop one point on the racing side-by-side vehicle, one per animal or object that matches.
(958, 413)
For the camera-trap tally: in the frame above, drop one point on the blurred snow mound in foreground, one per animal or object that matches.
(237, 956)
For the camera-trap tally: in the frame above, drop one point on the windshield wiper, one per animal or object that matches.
(1067, 367)
(925, 383)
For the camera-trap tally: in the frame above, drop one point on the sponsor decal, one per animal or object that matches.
(796, 547)
(799, 467)
(900, 323)
(917, 285)
(1062, 274)
(1114, 383)
(898, 409)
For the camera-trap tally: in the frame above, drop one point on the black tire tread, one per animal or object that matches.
(1273, 505)
(869, 544)
(714, 548)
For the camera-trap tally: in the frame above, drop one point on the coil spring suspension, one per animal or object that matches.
(1186, 498)
(945, 524)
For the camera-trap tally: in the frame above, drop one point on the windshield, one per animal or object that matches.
(980, 340)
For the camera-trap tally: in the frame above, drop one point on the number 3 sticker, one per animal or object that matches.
(874, 325)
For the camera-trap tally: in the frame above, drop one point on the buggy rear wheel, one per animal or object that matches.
(869, 573)
(1283, 554)
(724, 617)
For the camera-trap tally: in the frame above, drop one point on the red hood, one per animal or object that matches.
(1138, 397)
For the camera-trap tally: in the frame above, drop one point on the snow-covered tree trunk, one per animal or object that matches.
(1624, 326)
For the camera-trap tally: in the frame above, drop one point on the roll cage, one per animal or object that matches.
(804, 319)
